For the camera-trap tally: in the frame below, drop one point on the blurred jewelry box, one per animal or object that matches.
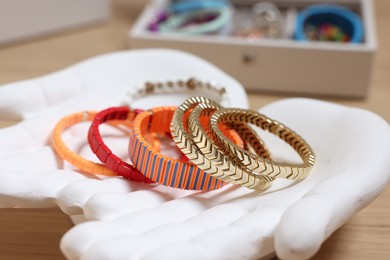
(285, 64)
(25, 19)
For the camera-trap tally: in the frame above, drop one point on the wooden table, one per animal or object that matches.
(35, 233)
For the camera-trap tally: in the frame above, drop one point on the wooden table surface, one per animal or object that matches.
(35, 233)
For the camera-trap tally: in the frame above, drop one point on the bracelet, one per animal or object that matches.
(160, 168)
(64, 152)
(73, 158)
(202, 151)
(105, 155)
(192, 84)
(202, 21)
(256, 164)
(191, 5)
(348, 26)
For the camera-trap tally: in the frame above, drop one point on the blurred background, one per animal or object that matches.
(257, 66)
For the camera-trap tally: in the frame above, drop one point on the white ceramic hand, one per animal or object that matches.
(352, 148)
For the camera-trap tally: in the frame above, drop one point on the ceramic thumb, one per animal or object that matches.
(306, 224)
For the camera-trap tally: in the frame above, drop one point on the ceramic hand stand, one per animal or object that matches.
(138, 221)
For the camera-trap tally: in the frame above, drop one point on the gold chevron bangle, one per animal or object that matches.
(257, 164)
(203, 152)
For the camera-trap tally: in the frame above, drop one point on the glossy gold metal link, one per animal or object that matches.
(203, 152)
(257, 164)
(232, 170)
(252, 140)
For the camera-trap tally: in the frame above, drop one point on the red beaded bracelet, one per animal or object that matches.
(104, 153)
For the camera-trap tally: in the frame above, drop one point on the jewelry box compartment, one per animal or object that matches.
(280, 65)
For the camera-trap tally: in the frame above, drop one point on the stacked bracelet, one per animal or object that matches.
(220, 158)
(219, 143)
(70, 156)
(104, 154)
(113, 165)
(195, 143)
(160, 168)
(126, 115)
(256, 164)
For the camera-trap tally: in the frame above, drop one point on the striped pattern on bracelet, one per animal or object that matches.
(160, 168)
